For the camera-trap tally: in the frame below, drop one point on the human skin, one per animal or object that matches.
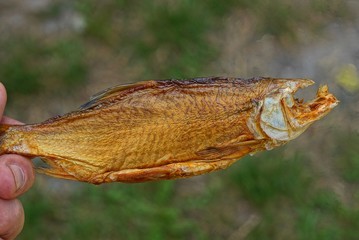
(16, 177)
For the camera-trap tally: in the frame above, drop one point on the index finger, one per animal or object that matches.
(3, 99)
(7, 120)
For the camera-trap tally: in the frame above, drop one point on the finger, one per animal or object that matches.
(7, 120)
(3, 98)
(16, 175)
(11, 218)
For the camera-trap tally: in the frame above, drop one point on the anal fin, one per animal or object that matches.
(56, 172)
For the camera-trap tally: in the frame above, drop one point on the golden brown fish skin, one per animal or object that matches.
(151, 130)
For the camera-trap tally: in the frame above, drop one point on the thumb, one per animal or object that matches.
(16, 175)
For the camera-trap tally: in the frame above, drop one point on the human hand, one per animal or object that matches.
(16, 177)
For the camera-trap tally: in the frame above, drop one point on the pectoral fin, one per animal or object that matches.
(232, 151)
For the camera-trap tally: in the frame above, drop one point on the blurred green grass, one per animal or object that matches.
(172, 40)
(286, 193)
(347, 157)
(142, 211)
(282, 191)
(32, 66)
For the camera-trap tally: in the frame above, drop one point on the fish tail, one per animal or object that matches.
(3, 132)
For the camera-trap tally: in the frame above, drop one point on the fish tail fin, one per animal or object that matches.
(3, 131)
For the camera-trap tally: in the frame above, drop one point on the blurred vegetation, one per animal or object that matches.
(169, 39)
(114, 211)
(173, 39)
(33, 66)
(283, 18)
(286, 194)
(347, 157)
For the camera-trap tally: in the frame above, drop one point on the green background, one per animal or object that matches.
(55, 54)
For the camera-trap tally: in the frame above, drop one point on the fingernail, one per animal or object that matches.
(19, 176)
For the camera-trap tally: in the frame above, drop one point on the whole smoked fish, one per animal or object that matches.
(168, 129)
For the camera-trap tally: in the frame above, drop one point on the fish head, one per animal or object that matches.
(282, 117)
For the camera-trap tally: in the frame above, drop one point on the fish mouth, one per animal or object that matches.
(284, 117)
(301, 114)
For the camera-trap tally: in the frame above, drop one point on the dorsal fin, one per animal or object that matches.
(115, 91)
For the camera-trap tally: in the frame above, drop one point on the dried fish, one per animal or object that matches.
(168, 129)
